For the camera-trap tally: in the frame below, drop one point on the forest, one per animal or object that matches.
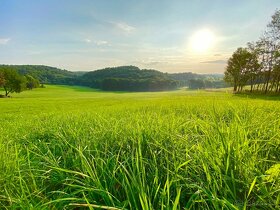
(122, 78)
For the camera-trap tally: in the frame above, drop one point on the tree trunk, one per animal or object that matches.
(6, 91)
(258, 86)
(263, 86)
(277, 86)
(235, 88)
(239, 88)
(268, 74)
(272, 85)
(266, 86)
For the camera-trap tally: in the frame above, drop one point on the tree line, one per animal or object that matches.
(45, 74)
(122, 78)
(149, 84)
(131, 78)
(198, 81)
(206, 83)
(258, 64)
(128, 78)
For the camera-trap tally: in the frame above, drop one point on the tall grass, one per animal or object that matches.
(178, 150)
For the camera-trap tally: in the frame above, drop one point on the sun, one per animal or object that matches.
(202, 41)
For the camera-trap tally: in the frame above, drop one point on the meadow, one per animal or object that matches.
(65, 147)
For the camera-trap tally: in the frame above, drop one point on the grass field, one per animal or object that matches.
(71, 147)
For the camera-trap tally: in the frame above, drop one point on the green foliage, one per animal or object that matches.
(196, 84)
(72, 147)
(2, 79)
(241, 66)
(13, 82)
(45, 74)
(154, 84)
(31, 82)
(209, 80)
(129, 78)
(125, 78)
(206, 83)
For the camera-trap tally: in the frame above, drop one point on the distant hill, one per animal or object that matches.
(45, 74)
(123, 72)
(126, 78)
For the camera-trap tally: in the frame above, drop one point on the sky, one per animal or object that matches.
(84, 35)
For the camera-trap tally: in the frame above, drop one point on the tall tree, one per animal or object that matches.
(276, 73)
(254, 67)
(13, 82)
(237, 68)
(270, 45)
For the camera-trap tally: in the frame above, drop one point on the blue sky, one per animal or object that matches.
(90, 34)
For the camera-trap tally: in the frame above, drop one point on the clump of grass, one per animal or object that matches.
(163, 151)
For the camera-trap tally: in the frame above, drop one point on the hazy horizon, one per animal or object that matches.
(164, 35)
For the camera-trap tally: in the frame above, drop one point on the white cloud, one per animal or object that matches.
(124, 27)
(4, 41)
(96, 42)
(88, 40)
(101, 42)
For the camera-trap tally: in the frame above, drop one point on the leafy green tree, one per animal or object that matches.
(2, 79)
(238, 70)
(196, 84)
(259, 63)
(45, 74)
(270, 46)
(31, 82)
(13, 82)
(276, 73)
(254, 65)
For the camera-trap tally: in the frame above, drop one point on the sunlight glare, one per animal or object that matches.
(202, 41)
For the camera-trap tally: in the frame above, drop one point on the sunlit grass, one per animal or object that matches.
(72, 147)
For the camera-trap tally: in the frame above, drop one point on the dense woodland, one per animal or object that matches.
(199, 81)
(258, 64)
(45, 74)
(123, 78)
(129, 78)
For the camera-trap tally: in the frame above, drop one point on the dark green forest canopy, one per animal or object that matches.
(124, 78)
(132, 72)
(45, 74)
(129, 78)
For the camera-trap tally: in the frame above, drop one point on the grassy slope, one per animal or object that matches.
(66, 146)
